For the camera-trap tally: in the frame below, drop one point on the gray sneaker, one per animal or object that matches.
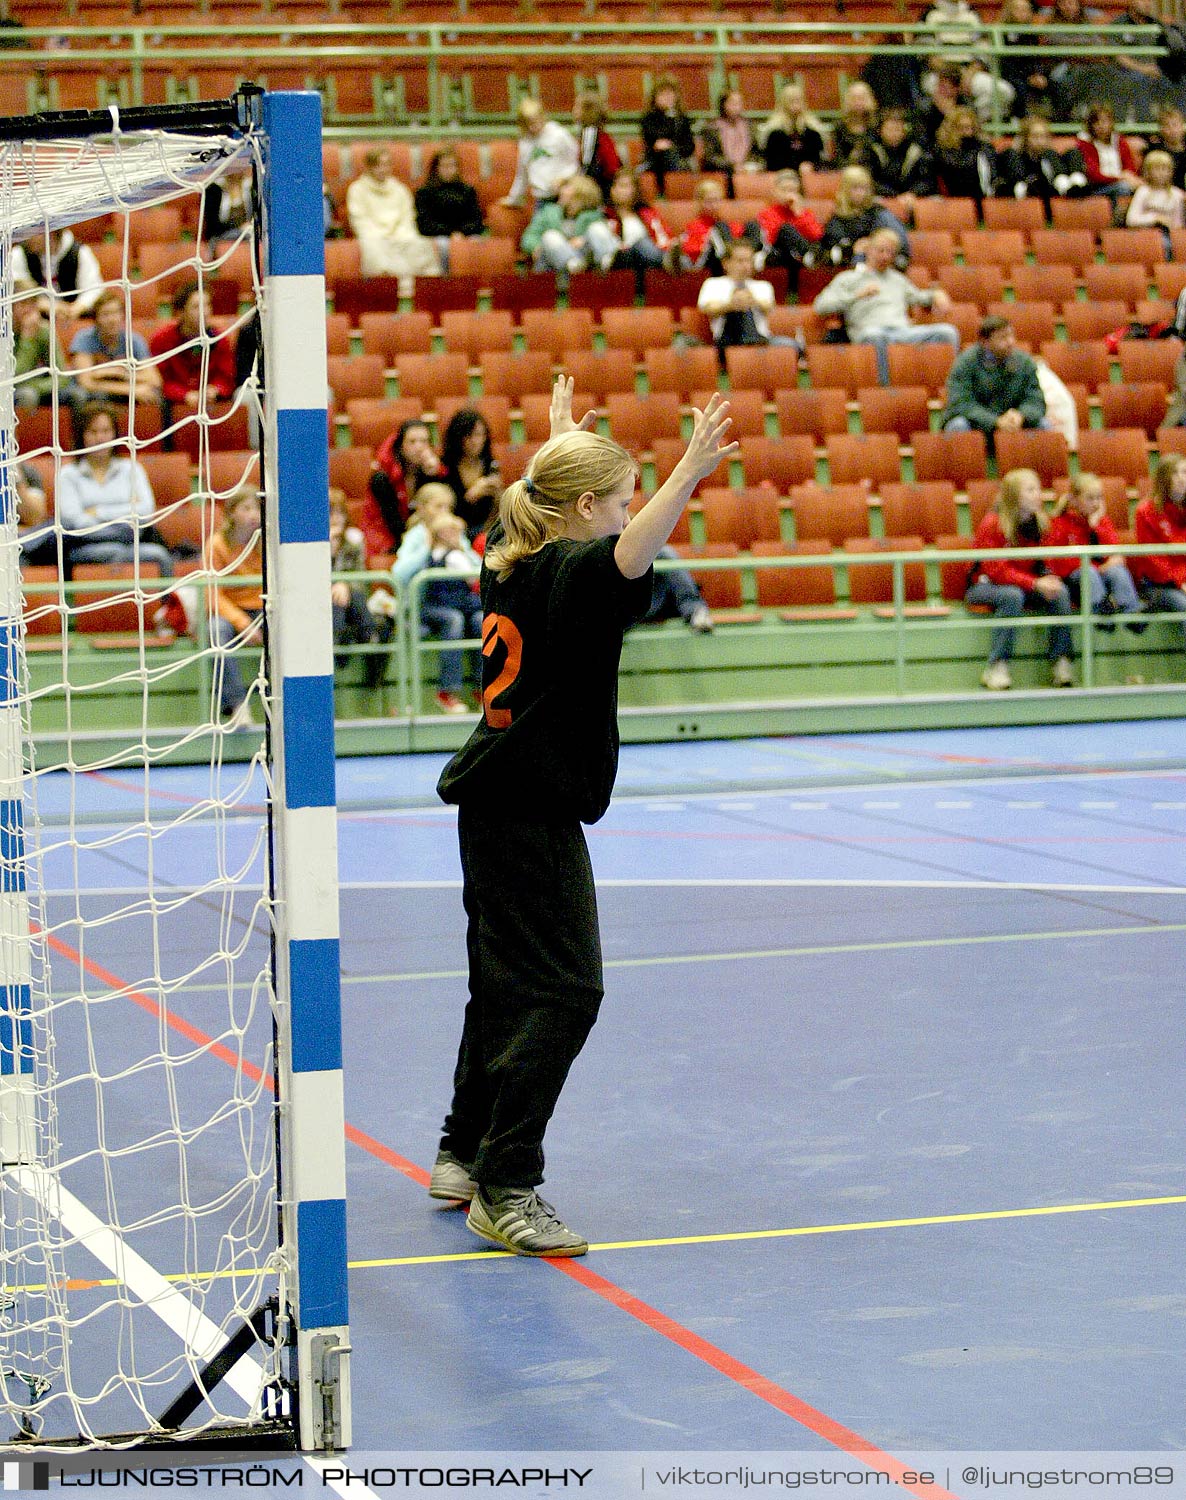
(521, 1222)
(450, 1179)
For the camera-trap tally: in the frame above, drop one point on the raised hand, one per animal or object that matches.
(560, 417)
(708, 445)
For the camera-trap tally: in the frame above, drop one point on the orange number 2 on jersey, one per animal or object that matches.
(497, 628)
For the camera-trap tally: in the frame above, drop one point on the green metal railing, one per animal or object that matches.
(439, 48)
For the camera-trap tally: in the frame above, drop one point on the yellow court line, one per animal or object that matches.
(782, 1234)
(697, 1239)
(823, 949)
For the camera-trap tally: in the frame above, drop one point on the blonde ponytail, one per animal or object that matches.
(536, 509)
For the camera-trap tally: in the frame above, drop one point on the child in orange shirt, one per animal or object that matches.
(236, 609)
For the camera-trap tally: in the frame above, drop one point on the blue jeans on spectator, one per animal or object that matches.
(228, 674)
(1008, 601)
(449, 624)
(1162, 598)
(555, 253)
(1113, 592)
(120, 552)
(961, 424)
(914, 333)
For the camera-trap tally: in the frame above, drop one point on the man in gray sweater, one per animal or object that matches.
(875, 301)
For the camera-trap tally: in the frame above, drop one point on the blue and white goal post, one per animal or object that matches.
(308, 970)
(237, 1283)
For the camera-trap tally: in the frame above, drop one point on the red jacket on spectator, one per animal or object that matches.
(658, 231)
(380, 540)
(1089, 151)
(181, 372)
(1070, 529)
(1022, 572)
(695, 243)
(1165, 525)
(772, 219)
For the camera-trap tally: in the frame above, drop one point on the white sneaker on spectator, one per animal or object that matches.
(1063, 674)
(700, 620)
(995, 677)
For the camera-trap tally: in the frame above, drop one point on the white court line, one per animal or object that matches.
(808, 883)
(200, 1334)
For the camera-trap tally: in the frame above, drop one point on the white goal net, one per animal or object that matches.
(148, 1282)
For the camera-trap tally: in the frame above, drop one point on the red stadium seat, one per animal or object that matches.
(1044, 452)
(801, 594)
(926, 508)
(816, 412)
(830, 512)
(901, 410)
(957, 456)
(780, 462)
(871, 456)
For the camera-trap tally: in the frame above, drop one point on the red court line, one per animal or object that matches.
(758, 1385)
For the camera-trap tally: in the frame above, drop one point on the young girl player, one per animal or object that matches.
(566, 571)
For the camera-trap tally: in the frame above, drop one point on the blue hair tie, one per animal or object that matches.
(529, 484)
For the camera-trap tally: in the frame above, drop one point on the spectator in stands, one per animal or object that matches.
(353, 623)
(901, 166)
(1108, 157)
(674, 595)
(727, 143)
(227, 207)
(36, 534)
(599, 158)
(790, 231)
(37, 357)
(450, 608)
(896, 77)
(1008, 585)
(1027, 76)
(57, 263)
(989, 96)
(643, 238)
(382, 218)
(548, 156)
(993, 387)
(106, 503)
(1032, 168)
(953, 25)
(875, 300)
(736, 303)
(1157, 203)
(856, 216)
(667, 139)
(109, 360)
(471, 470)
(855, 125)
(1065, 72)
(704, 242)
(446, 204)
(1171, 136)
(1161, 517)
(791, 136)
(571, 234)
(1062, 415)
(965, 163)
(236, 607)
(943, 89)
(1079, 518)
(404, 461)
(187, 350)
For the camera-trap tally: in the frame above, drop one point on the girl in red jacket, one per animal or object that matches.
(1162, 518)
(1009, 585)
(1080, 518)
(1108, 158)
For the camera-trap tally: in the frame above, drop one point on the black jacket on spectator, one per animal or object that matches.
(842, 231)
(781, 150)
(656, 125)
(847, 145)
(444, 208)
(966, 171)
(896, 79)
(1050, 174)
(1157, 144)
(907, 168)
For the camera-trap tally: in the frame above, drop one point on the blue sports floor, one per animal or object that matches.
(878, 1140)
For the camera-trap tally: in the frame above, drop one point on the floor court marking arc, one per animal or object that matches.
(717, 1359)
